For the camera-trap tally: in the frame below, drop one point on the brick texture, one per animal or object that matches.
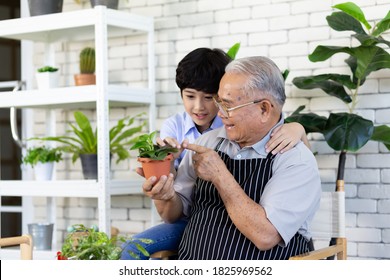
(285, 30)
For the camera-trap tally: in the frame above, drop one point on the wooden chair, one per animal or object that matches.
(25, 242)
(328, 226)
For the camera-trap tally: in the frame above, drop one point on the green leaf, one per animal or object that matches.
(341, 21)
(369, 59)
(86, 134)
(347, 132)
(382, 134)
(285, 74)
(310, 121)
(332, 84)
(322, 53)
(369, 40)
(232, 52)
(382, 26)
(353, 10)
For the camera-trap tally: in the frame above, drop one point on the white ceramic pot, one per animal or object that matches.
(47, 80)
(43, 171)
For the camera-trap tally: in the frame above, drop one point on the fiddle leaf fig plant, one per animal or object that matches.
(347, 131)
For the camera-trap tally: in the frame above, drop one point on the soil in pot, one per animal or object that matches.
(156, 167)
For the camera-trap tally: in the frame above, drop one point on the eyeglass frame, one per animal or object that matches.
(225, 110)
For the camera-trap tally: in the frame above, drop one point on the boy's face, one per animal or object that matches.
(200, 106)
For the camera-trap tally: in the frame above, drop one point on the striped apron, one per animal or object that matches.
(210, 233)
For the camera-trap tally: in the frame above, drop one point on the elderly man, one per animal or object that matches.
(242, 202)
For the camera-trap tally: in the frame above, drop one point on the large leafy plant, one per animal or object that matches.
(84, 139)
(90, 244)
(347, 131)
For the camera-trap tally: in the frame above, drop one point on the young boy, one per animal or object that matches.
(198, 75)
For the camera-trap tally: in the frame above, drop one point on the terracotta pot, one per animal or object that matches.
(84, 79)
(156, 167)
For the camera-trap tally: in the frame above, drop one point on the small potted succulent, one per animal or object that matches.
(156, 160)
(41, 159)
(87, 68)
(83, 243)
(47, 77)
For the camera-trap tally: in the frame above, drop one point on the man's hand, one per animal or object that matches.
(161, 189)
(207, 163)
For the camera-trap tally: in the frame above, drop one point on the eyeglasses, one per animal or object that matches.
(225, 110)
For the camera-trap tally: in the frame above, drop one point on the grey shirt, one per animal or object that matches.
(291, 196)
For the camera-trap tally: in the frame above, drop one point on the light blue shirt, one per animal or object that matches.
(180, 126)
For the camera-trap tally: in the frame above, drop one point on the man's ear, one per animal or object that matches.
(265, 107)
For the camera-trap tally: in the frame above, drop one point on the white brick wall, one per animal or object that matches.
(285, 30)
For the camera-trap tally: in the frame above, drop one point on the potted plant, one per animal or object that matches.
(89, 244)
(347, 131)
(47, 77)
(43, 7)
(111, 4)
(156, 160)
(41, 159)
(87, 68)
(83, 143)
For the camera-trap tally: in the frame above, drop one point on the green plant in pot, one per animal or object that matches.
(83, 243)
(110, 4)
(347, 131)
(84, 141)
(41, 159)
(87, 68)
(156, 160)
(47, 77)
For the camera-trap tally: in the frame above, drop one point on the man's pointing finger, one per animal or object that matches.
(196, 148)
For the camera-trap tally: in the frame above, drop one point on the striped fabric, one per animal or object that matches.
(210, 233)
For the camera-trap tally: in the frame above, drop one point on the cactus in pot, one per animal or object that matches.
(87, 67)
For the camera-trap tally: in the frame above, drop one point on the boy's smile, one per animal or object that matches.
(200, 106)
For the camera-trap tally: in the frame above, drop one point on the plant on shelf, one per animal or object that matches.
(87, 68)
(90, 244)
(84, 140)
(347, 131)
(41, 159)
(156, 160)
(47, 77)
(47, 69)
(111, 4)
(43, 7)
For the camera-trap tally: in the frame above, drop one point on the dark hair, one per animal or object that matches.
(202, 69)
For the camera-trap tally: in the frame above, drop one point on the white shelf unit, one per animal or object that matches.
(98, 24)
